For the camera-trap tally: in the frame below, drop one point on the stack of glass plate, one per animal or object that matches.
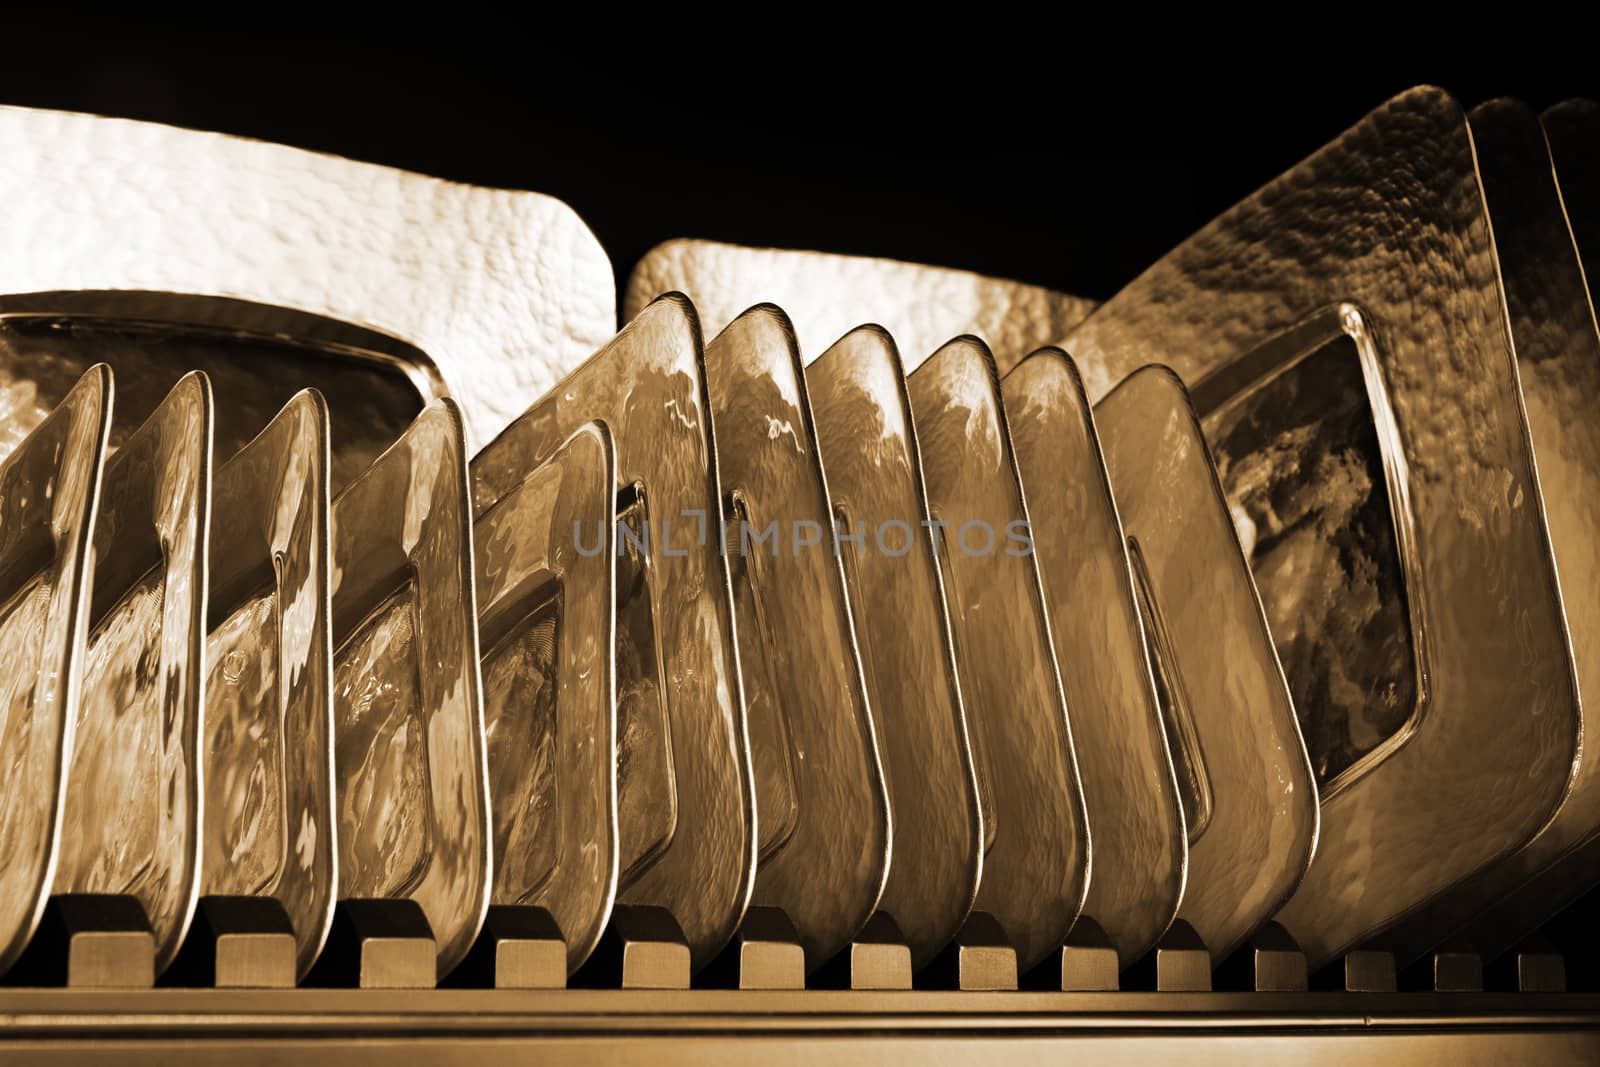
(1228, 635)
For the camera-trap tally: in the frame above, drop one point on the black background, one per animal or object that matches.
(1066, 159)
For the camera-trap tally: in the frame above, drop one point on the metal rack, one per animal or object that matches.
(726, 1026)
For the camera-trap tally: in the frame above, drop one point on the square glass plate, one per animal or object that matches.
(869, 451)
(1250, 803)
(411, 782)
(822, 810)
(686, 809)
(1316, 438)
(269, 824)
(546, 564)
(132, 823)
(1036, 870)
(1141, 848)
(49, 489)
(1558, 362)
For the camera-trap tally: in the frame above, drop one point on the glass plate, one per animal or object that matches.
(822, 810)
(411, 779)
(1558, 362)
(1249, 800)
(1409, 395)
(1036, 870)
(546, 564)
(133, 805)
(1141, 848)
(49, 488)
(1572, 132)
(869, 450)
(269, 826)
(686, 811)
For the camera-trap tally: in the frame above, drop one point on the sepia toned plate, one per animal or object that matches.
(269, 799)
(546, 563)
(507, 290)
(1572, 134)
(49, 490)
(1140, 840)
(1036, 870)
(257, 358)
(132, 822)
(822, 809)
(1558, 362)
(686, 810)
(409, 769)
(869, 451)
(826, 295)
(1400, 670)
(1249, 800)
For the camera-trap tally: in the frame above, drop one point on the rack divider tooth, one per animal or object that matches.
(643, 947)
(237, 943)
(378, 944)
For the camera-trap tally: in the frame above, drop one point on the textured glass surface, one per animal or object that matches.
(1177, 717)
(1135, 811)
(130, 821)
(21, 714)
(547, 620)
(520, 673)
(21, 409)
(412, 792)
(382, 754)
(109, 837)
(49, 486)
(268, 772)
(244, 738)
(822, 808)
(766, 710)
(646, 794)
(1231, 720)
(865, 437)
(1037, 874)
(1300, 464)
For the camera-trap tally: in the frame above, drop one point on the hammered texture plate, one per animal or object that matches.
(1141, 847)
(1558, 361)
(686, 807)
(49, 490)
(412, 781)
(822, 809)
(510, 290)
(132, 823)
(1389, 220)
(546, 565)
(269, 824)
(1036, 871)
(869, 450)
(1249, 798)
